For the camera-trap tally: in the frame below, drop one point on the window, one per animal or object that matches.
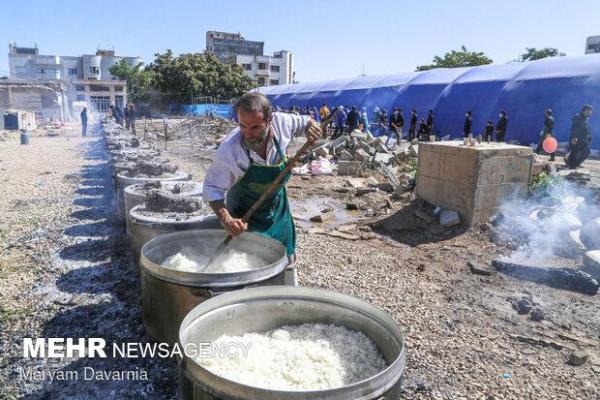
(118, 88)
(80, 88)
(274, 82)
(261, 81)
(247, 67)
(94, 70)
(42, 71)
(81, 97)
(72, 71)
(262, 65)
(274, 68)
(100, 103)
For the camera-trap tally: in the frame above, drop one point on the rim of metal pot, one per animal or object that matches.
(380, 382)
(142, 219)
(215, 280)
(176, 175)
(196, 187)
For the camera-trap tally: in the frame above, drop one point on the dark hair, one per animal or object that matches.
(548, 111)
(586, 107)
(254, 102)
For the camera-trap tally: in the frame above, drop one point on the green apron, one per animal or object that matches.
(273, 218)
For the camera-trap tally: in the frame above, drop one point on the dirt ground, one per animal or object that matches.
(64, 272)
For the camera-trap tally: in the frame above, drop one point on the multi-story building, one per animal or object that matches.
(263, 69)
(87, 77)
(592, 45)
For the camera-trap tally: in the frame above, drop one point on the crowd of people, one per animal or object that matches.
(379, 123)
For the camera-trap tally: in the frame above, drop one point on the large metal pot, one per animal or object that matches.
(168, 294)
(144, 228)
(135, 194)
(267, 308)
(123, 181)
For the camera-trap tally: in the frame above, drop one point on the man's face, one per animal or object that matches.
(252, 125)
(587, 113)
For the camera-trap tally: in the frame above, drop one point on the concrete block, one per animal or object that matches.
(346, 155)
(361, 155)
(360, 136)
(323, 217)
(369, 149)
(472, 180)
(355, 183)
(353, 168)
(384, 158)
(380, 148)
(414, 150)
(322, 151)
(449, 218)
(430, 163)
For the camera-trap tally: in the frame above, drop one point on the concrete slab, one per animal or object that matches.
(473, 180)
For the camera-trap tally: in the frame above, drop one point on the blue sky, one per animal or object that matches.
(330, 39)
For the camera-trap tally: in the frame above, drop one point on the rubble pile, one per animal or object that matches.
(207, 125)
(361, 155)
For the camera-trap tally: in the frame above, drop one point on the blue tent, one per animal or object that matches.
(523, 90)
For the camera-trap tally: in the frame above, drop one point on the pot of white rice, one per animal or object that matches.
(174, 277)
(286, 342)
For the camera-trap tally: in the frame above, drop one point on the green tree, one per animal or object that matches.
(531, 53)
(457, 59)
(197, 75)
(139, 80)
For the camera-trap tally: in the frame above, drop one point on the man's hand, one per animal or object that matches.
(574, 141)
(313, 131)
(233, 226)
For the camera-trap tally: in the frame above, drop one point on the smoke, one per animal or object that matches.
(546, 224)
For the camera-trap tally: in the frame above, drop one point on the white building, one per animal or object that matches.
(592, 45)
(232, 48)
(87, 77)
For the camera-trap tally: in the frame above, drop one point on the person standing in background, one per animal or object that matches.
(412, 128)
(131, 113)
(364, 120)
(489, 130)
(396, 125)
(430, 123)
(468, 123)
(501, 127)
(581, 138)
(84, 121)
(546, 132)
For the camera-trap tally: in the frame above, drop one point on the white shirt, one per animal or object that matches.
(231, 159)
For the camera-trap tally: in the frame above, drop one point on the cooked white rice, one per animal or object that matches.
(229, 261)
(298, 357)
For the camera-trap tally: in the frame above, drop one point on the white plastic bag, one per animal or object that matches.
(322, 166)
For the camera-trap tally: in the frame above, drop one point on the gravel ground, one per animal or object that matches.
(65, 272)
